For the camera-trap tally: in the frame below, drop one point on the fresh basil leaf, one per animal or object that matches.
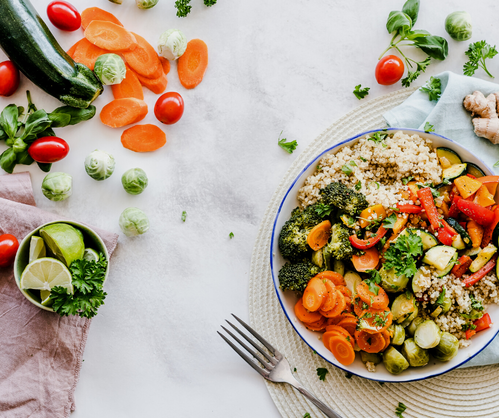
(77, 115)
(46, 132)
(37, 122)
(8, 120)
(398, 22)
(3, 135)
(435, 46)
(59, 120)
(411, 9)
(8, 160)
(20, 112)
(19, 145)
(24, 158)
(417, 33)
(45, 167)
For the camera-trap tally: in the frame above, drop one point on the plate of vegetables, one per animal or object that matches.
(383, 255)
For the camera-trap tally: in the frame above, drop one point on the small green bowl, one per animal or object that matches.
(90, 237)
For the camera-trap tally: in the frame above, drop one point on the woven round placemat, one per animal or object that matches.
(469, 392)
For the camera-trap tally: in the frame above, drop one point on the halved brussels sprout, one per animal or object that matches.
(57, 186)
(110, 69)
(134, 222)
(146, 4)
(415, 355)
(99, 165)
(398, 334)
(411, 329)
(372, 357)
(458, 26)
(352, 280)
(447, 347)
(411, 317)
(134, 181)
(172, 44)
(394, 362)
(391, 282)
(403, 306)
(427, 334)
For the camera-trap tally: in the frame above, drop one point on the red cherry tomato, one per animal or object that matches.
(64, 16)
(9, 78)
(8, 249)
(389, 70)
(169, 108)
(48, 149)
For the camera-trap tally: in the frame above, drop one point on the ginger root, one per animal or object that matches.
(487, 108)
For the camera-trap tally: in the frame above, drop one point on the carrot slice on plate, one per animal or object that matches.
(374, 321)
(320, 325)
(314, 295)
(192, 64)
(95, 13)
(349, 323)
(110, 36)
(72, 50)
(367, 261)
(342, 350)
(319, 235)
(305, 316)
(370, 343)
(143, 138)
(339, 306)
(129, 87)
(336, 278)
(144, 59)
(122, 112)
(330, 299)
(387, 338)
(376, 301)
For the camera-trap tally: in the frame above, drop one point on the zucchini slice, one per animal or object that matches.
(451, 156)
(448, 267)
(454, 171)
(439, 256)
(428, 239)
(462, 232)
(483, 257)
(471, 252)
(474, 170)
(458, 243)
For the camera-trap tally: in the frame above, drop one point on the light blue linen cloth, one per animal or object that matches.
(450, 119)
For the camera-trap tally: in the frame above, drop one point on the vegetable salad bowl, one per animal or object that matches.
(288, 299)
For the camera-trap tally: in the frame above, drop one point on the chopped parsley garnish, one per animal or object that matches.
(322, 372)
(307, 415)
(358, 185)
(406, 180)
(184, 216)
(434, 89)
(440, 299)
(379, 321)
(210, 3)
(400, 410)
(389, 222)
(362, 159)
(402, 254)
(288, 146)
(428, 127)
(318, 168)
(378, 137)
(348, 375)
(360, 93)
(373, 281)
(476, 304)
(346, 168)
(468, 326)
(183, 8)
(323, 209)
(231, 235)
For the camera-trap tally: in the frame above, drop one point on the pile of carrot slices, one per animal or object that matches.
(349, 324)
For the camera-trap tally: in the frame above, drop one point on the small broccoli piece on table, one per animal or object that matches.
(340, 196)
(339, 246)
(295, 276)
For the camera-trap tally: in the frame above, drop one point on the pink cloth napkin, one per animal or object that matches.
(40, 351)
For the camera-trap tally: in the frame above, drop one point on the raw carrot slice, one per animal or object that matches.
(143, 138)
(339, 306)
(370, 343)
(110, 36)
(305, 316)
(336, 278)
(121, 112)
(314, 294)
(94, 13)
(342, 350)
(156, 85)
(349, 323)
(367, 261)
(144, 59)
(330, 299)
(87, 53)
(319, 235)
(72, 50)
(165, 64)
(192, 64)
(374, 321)
(129, 87)
(376, 301)
(320, 325)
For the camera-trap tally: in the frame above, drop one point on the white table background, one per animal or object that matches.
(275, 65)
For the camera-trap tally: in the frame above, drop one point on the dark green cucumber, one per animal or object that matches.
(31, 46)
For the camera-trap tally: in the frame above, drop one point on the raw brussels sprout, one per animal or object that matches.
(394, 362)
(398, 334)
(427, 334)
(447, 347)
(372, 357)
(57, 186)
(415, 355)
(391, 282)
(110, 69)
(146, 4)
(99, 165)
(458, 26)
(403, 307)
(411, 329)
(134, 181)
(134, 222)
(172, 44)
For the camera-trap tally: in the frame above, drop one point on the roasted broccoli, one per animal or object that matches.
(295, 276)
(339, 246)
(345, 199)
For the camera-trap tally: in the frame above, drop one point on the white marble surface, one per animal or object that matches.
(274, 65)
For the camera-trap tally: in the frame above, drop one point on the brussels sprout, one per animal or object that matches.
(411, 317)
(134, 181)
(352, 280)
(99, 165)
(146, 4)
(339, 267)
(411, 329)
(398, 334)
(57, 186)
(318, 258)
(427, 334)
(415, 355)
(403, 307)
(172, 44)
(458, 26)
(447, 347)
(110, 69)
(372, 357)
(394, 362)
(391, 282)
(134, 222)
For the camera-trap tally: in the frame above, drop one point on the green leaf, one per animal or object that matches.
(435, 46)
(24, 158)
(37, 122)
(398, 22)
(323, 210)
(45, 167)
(3, 135)
(322, 372)
(440, 299)
(389, 222)
(183, 8)
(8, 120)
(231, 235)
(184, 216)
(209, 3)
(19, 145)
(411, 9)
(288, 146)
(59, 120)
(77, 115)
(413, 75)
(428, 127)
(361, 93)
(8, 160)
(417, 33)
(477, 53)
(434, 89)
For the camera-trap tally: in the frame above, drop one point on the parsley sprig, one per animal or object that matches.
(323, 210)
(428, 127)
(477, 53)
(434, 89)
(403, 253)
(389, 221)
(374, 281)
(360, 93)
(288, 146)
(322, 372)
(183, 7)
(400, 410)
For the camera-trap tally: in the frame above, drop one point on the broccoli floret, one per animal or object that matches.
(295, 276)
(339, 246)
(339, 195)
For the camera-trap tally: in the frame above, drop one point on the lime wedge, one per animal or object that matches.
(65, 242)
(36, 249)
(45, 297)
(46, 273)
(90, 255)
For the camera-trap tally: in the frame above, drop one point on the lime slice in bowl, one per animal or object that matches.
(36, 248)
(45, 297)
(90, 255)
(46, 273)
(65, 242)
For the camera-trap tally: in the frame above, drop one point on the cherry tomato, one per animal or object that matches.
(64, 16)
(48, 149)
(169, 108)
(389, 70)
(9, 78)
(8, 249)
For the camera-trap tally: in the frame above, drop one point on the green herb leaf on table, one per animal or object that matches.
(210, 3)
(184, 216)
(360, 93)
(307, 415)
(400, 410)
(8, 120)
(322, 372)
(477, 53)
(389, 221)
(434, 46)
(413, 75)
(428, 127)
(183, 7)
(433, 88)
(411, 9)
(398, 22)
(231, 235)
(288, 146)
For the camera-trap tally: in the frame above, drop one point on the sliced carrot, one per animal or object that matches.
(345, 290)
(349, 323)
(320, 325)
(95, 13)
(314, 295)
(330, 299)
(370, 343)
(342, 350)
(336, 278)
(87, 53)
(374, 321)
(376, 301)
(72, 50)
(192, 64)
(348, 302)
(305, 316)
(339, 330)
(144, 59)
(367, 261)
(143, 138)
(122, 112)
(476, 233)
(319, 235)
(165, 64)
(386, 334)
(359, 306)
(129, 87)
(326, 337)
(156, 85)
(336, 319)
(339, 307)
(110, 36)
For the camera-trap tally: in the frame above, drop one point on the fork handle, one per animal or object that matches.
(326, 410)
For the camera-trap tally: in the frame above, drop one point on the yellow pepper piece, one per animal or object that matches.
(372, 213)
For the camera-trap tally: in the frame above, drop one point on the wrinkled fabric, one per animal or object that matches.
(40, 352)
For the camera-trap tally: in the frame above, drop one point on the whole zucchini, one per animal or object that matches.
(31, 46)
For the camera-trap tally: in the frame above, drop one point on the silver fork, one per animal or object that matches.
(275, 367)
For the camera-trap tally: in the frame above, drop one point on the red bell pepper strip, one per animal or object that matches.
(487, 234)
(475, 277)
(426, 199)
(461, 266)
(365, 244)
(409, 208)
(482, 323)
(454, 210)
(471, 176)
(449, 229)
(444, 237)
(479, 214)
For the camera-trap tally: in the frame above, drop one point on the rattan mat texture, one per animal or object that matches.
(469, 392)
